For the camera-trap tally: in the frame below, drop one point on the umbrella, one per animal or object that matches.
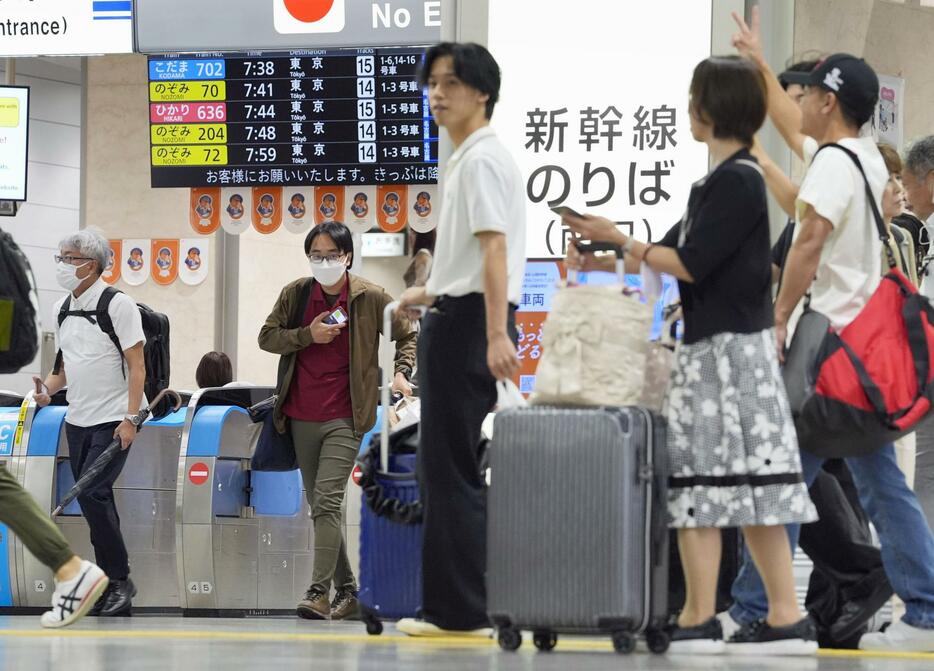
(91, 472)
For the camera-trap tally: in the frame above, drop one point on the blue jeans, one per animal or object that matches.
(907, 542)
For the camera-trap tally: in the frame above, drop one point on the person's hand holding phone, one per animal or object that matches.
(323, 333)
(591, 227)
(42, 393)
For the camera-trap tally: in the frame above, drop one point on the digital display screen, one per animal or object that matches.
(323, 117)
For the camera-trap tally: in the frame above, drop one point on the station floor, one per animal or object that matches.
(175, 644)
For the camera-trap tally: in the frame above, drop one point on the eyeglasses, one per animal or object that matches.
(321, 258)
(70, 259)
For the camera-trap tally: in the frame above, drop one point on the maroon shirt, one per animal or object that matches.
(320, 389)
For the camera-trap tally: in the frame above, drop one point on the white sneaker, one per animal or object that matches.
(730, 626)
(413, 627)
(73, 598)
(899, 637)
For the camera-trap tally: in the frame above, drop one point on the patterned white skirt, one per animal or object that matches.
(732, 449)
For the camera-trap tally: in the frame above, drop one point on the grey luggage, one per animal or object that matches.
(577, 526)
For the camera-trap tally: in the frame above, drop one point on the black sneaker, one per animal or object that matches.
(119, 601)
(704, 639)
(759, 638)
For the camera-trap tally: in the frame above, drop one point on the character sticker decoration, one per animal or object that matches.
(193, 269)
(267, 208)
(328, 203)
(392, 213)
(360, 208)
(235, 207)
(298, 216)
(135, 266)
(423, 209)
(204, 211)
(164, 261)
(112, 270)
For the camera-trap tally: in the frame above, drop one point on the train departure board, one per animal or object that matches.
(335, 116)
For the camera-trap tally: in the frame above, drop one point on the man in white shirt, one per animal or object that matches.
(105, 392)
(836, 256)
(468, 337)
(918, 177)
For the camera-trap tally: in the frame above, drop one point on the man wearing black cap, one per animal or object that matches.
(836, 257)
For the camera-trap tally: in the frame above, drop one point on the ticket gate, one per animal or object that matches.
(11, 412)
(145, 496)
(246, 538)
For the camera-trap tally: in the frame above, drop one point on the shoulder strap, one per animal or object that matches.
(298, 310)
(63, 313)
(877, 216)
(752, 164)
(104, 320)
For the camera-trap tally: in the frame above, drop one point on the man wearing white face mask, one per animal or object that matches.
(105, 392)
(327, 331)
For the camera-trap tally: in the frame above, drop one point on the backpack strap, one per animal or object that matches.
(106, 323)
(877, 216)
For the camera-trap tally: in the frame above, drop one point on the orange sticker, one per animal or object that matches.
(204, 210)
(329, 203)
(267, 208)
(111, 274)
(392, 206)
(164, 262)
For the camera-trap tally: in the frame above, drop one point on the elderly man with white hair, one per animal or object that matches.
(105, 391)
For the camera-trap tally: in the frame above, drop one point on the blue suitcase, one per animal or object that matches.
(390, 551)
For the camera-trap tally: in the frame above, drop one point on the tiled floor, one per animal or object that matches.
(173, 643)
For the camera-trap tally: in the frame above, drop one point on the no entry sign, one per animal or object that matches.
(198, 473)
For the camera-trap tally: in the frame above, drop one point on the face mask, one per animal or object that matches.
(67, 275)
(328, 274)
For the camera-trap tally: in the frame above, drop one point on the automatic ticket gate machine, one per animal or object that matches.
(145, 496)
(245, 538)
(15, 409)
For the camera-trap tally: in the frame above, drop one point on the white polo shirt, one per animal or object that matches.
(98, 392)
(483, 192)
(927, 283)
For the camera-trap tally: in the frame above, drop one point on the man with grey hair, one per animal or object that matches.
(105, 392)
(918, 178)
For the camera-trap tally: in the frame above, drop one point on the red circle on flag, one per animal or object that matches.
(356, 474)
(309, 11)
(198, 473)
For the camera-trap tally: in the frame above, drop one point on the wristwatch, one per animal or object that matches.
(132, 419)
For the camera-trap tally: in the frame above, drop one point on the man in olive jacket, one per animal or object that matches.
(327, 331)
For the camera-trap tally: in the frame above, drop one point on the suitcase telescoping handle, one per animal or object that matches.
(386, 387)
(587, 247)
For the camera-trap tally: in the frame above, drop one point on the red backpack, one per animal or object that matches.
(855, 390)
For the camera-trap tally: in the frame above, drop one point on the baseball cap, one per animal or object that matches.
(851, 79)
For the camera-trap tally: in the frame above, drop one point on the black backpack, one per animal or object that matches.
(19, 330)
(155, 350)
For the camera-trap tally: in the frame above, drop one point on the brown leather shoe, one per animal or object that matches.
(345, 605)
(314, 606)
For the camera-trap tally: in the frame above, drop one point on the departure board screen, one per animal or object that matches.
(335, 116)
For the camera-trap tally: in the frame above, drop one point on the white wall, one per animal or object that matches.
(53, 205)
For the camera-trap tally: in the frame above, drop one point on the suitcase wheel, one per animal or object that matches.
(657, 640)
(509, 639)
(373, 626)
(545, 640)
(624, 642)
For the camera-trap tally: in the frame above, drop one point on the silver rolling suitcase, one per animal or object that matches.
(577, 526)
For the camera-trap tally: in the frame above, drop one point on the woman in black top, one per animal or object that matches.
(733, 452)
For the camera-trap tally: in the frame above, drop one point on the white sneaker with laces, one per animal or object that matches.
(73, 598)
(899, 637)
(421, 628)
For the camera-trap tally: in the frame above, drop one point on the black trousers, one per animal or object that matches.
(847, 566)
(85, 445)
(457, 391)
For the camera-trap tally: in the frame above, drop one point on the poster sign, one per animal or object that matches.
(360, 212)
(590, 133)
(65, 27)
(204, 212)
(538, 288)
(299, 215)
(392, 202)
(283, 24)
(14, 141)
(329, 203)
(889, 118)
(267, 209)
(423, 208)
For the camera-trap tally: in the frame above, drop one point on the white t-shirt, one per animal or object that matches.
(98, 392)
(850, 266)
(483, 192)
(927, 283)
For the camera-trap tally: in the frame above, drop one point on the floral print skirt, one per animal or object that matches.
(732, 449)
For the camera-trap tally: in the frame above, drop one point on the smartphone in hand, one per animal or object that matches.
(562, 210)
(336, 317)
